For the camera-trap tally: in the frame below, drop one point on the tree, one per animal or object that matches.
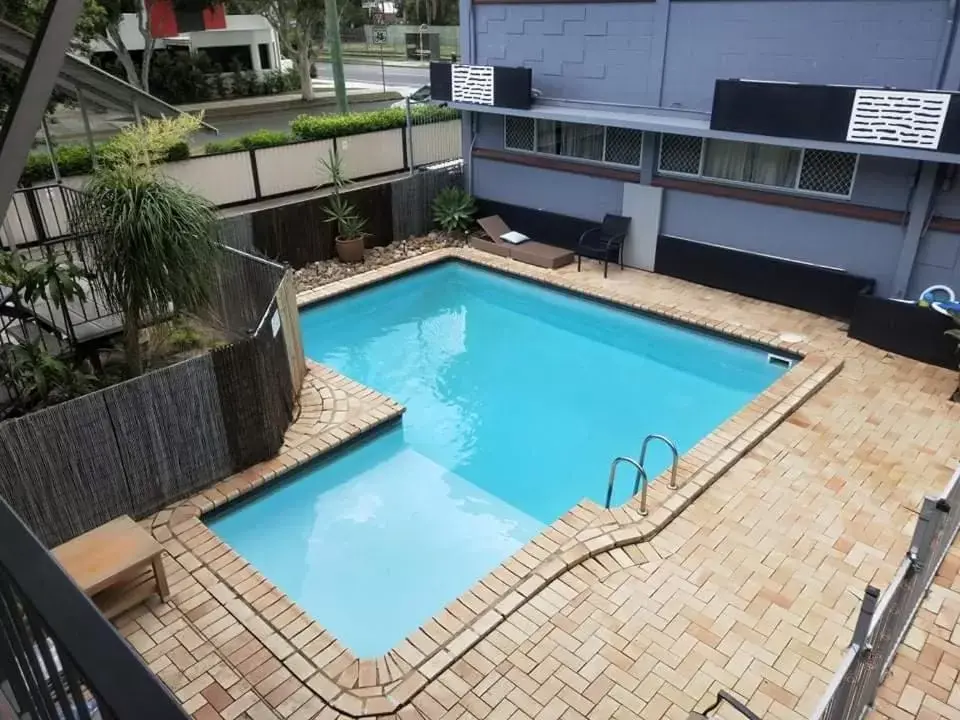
(155, 248)
(299, 23)
(108, 29)
(336, 56)
(104, 19)
(26, 15)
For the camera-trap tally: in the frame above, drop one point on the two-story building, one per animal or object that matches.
(629, 118)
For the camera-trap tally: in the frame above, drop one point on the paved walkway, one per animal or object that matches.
(754, 588)
(923, 682)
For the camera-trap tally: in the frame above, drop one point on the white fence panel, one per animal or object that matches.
(288, 168)
(221, 179)
(373, 153)
(435, 142)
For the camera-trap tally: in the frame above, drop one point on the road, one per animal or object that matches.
(398, 78)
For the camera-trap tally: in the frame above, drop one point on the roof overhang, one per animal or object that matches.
(685, 122)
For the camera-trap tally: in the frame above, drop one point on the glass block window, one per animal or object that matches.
(519, 133)
(814, 171)
(624, 146)
(680, 154)
(828, 172)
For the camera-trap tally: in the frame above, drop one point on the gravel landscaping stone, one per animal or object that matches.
(328, 271)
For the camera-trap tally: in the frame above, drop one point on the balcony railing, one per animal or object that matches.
(60, 659)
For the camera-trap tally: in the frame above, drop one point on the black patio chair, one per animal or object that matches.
(600, 243)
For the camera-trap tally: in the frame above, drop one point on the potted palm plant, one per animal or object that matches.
(343, 214)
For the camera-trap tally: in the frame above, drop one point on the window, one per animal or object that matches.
(816, 171)
(574, 140)
(518, 133)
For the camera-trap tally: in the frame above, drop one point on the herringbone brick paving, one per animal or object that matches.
(753, 588)
(922, 683)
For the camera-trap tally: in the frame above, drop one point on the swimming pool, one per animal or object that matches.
(518, 397)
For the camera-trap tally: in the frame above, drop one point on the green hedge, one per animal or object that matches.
(219, 147)
(324, 127)
(76, 160)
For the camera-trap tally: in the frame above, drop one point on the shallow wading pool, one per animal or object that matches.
(518, 397)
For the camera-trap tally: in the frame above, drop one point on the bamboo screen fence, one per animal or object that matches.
(137, 446)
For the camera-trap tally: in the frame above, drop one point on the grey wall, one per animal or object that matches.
(865, 248)
(559, 192)
(856, 42)
(859, 246)
(615, 52)
(938, 257)
(605, 53)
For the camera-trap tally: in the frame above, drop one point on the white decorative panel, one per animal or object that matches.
(221, 179)
(436, 142)
(892, 117)
(289, 168)
(374, 153)
(472, 84)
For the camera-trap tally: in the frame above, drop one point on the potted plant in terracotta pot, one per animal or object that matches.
(343, 214)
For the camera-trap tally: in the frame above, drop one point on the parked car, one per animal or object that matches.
(417, 97)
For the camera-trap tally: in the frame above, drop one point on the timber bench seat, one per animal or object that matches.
(108, 564)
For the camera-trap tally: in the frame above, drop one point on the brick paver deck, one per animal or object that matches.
(752, 587)
(923, 683)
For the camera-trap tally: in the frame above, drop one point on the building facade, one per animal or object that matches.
(626, 121)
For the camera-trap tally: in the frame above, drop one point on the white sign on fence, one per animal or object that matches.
(379, 37)
(275, 322)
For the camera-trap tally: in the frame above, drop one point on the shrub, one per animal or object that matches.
(71, 159)
(264, 138)
(219, 147)
(177, 151)
(453, 210)
(324, 127)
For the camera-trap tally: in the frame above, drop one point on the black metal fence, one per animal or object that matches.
(60, 659)
(136, 446)
(886, 617)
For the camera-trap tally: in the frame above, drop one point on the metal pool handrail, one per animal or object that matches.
(673, 449)
(641, 475)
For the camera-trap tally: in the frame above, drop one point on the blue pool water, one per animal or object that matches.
(518, 397)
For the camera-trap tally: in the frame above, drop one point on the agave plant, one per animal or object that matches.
(351, 227)
(453, 210)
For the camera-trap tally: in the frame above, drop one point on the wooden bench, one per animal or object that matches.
(108, 564)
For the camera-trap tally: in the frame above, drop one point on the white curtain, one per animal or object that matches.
(547, 136)
(582, 141)
(751, 163)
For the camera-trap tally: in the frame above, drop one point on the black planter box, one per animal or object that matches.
(905, 329)
(816, 289)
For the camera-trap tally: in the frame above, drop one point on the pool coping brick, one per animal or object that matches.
(310, 657)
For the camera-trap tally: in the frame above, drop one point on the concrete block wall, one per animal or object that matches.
(669, 54)
(601, 53)
(852, 42)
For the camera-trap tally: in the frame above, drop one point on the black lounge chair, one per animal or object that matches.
(600, 242)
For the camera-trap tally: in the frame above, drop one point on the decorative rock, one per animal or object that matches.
(320, 273)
